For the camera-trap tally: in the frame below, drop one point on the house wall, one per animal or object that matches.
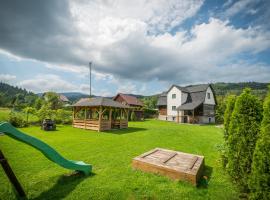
(210, 101)
(173, 102)
(162, 110)
(205, 119)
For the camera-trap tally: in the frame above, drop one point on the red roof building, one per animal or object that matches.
(132, 102)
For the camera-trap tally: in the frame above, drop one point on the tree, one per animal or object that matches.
(46, 113)
(29, 110)
(53, 100)
(220, 109)
(38, 103)
(243, 130)
(230, 102)
(259, 183)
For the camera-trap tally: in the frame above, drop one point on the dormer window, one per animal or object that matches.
(208, 95)
(173, 96)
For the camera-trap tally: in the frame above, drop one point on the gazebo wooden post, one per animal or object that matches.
(177, 119)
(121, 113)
(85, 118)
(193, 117)
(110, 117)
(73, 115)
(99, 118)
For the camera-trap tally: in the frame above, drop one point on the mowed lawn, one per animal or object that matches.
(111, 154)
(4, 112)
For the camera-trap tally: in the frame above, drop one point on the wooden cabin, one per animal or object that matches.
(133, 102)
(100, 114)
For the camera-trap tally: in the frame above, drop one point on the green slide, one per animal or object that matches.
(48, 151)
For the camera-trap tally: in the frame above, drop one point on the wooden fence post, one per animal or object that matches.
(11, 176)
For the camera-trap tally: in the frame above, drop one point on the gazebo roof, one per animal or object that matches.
(98, 101)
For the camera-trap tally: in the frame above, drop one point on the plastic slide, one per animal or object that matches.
(48, 151)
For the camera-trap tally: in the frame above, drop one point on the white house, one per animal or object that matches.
(191, 104)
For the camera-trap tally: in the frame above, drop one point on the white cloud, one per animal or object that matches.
(7, 78)
(131, 41)
(239, 6)
(48, 82)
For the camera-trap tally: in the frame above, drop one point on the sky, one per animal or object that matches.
(139, 47)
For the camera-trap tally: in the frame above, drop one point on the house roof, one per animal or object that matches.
(162, 99)
(190, 105)
(63, 98)
(98, 101)
(131, 100)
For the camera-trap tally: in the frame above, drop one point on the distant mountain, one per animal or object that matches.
(74, 96)
(222, 89)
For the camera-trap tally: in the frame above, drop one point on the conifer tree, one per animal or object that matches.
(259, 183)
(243, 130)
(230, 102)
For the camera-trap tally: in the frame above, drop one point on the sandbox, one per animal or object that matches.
(173, 164)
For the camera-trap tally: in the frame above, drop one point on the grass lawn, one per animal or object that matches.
(4, 112)
(111, 153)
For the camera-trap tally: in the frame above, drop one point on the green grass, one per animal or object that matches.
(4, 112)
(111, 154)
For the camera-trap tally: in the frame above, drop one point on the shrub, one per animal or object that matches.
(150, 113)
(17, 120)
(243, 130)
(259, 183)
(46, 113)
(29, 110)
(63, 116)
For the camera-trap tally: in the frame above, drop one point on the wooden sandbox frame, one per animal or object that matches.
(173, 164)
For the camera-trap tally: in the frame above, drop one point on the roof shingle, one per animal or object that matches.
(99, 101)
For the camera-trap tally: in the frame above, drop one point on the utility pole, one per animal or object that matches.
(90, 69)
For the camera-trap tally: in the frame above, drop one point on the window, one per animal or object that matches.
(173, 107)
(209, 120)
(173, 96)
(208, 95)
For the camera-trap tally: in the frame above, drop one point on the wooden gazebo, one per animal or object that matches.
(100, 114)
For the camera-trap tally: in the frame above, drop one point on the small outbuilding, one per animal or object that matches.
(133, 102)
(100, 114)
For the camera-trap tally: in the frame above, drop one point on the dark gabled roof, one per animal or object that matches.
(162, 99)
(183, 89)
(190, 106)
(197, 88)
(131, 100)
(99, 101)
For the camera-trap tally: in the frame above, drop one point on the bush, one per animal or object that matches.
(259, 183)
(242, 137)
(46, 113)
(17, 120)
(63, 116)
(150, 113)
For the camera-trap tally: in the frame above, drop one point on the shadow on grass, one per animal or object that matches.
(64, 185)
(125, 131)
(206, 177)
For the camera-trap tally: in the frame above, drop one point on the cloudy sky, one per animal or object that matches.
(140, 46)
